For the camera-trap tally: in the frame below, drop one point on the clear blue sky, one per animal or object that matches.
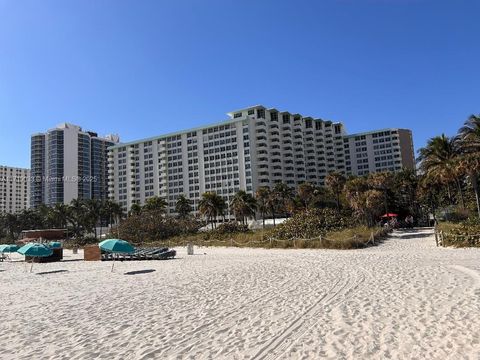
(143, 68)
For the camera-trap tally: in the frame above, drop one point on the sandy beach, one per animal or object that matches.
(402, 299)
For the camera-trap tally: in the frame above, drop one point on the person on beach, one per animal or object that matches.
(409, 221)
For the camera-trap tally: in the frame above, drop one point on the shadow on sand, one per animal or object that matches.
(139, 272)
(51, 272)
(410, 234)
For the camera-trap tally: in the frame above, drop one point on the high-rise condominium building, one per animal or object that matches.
(68, 163)
(14, 189)
(255, 147)
(380, 150)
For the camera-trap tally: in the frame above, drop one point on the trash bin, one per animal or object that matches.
(190, 249)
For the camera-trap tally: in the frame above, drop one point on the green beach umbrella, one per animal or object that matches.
(116, 246)
(35, 250)
(54, 244)
(9, 248)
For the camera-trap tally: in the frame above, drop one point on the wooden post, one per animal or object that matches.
(231, 242)
(436, 237)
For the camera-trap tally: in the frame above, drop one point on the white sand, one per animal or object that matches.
(404, 299)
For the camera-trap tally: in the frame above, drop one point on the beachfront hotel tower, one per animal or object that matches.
(380, 150)
(14, 189)
(255, 147)
(68, 163)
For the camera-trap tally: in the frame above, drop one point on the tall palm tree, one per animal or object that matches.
(262, 195)
(469, 165)
(439, 159)
(183, 206)
(383, 182)
(285, 195)
(335, 182)
(112, 211)
(243, 205)
(469, 143)
(469, 135)
(211, 205)
(77, 217)
(272, 204)
(355, 190)
(93, 215)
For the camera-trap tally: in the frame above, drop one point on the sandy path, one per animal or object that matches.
(402, 299)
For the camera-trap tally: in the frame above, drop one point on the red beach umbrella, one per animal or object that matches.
(389, 215)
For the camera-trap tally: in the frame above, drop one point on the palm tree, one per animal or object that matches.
(306, 193)
(58, 215)
(439, 159)
(11, 223)
(94, 212)
(262, 195)
(155, 203)
(383, 182)
(112, 211)
(272, 204)
(183, 206)
(285, 195)
(405, 190)
(469, 164)
(243, 205)
(429, 192)
(469, 143)
(211, 205)
(355, 190)
(469, 135)
(76, 215)
(373, 205)
(335, 182)
(135, 209)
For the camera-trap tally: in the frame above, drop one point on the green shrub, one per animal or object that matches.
(230, 227)
(151, 226)
(310, 224)
(464, 234)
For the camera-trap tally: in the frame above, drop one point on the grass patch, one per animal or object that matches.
(464, 234)
(352, 238)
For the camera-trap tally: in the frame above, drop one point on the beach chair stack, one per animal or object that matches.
(142, 254)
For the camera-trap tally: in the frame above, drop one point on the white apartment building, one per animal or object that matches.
(14, 189)
(68, 163)
(380, 150)
(255, 147)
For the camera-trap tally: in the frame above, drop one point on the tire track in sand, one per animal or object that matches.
(279, 345)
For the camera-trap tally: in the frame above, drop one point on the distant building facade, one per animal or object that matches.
(379, 150)
(68, 163)
(255, 147)
(14, 189)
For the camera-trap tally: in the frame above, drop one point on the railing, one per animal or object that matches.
(443, 239)
(373, 239)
